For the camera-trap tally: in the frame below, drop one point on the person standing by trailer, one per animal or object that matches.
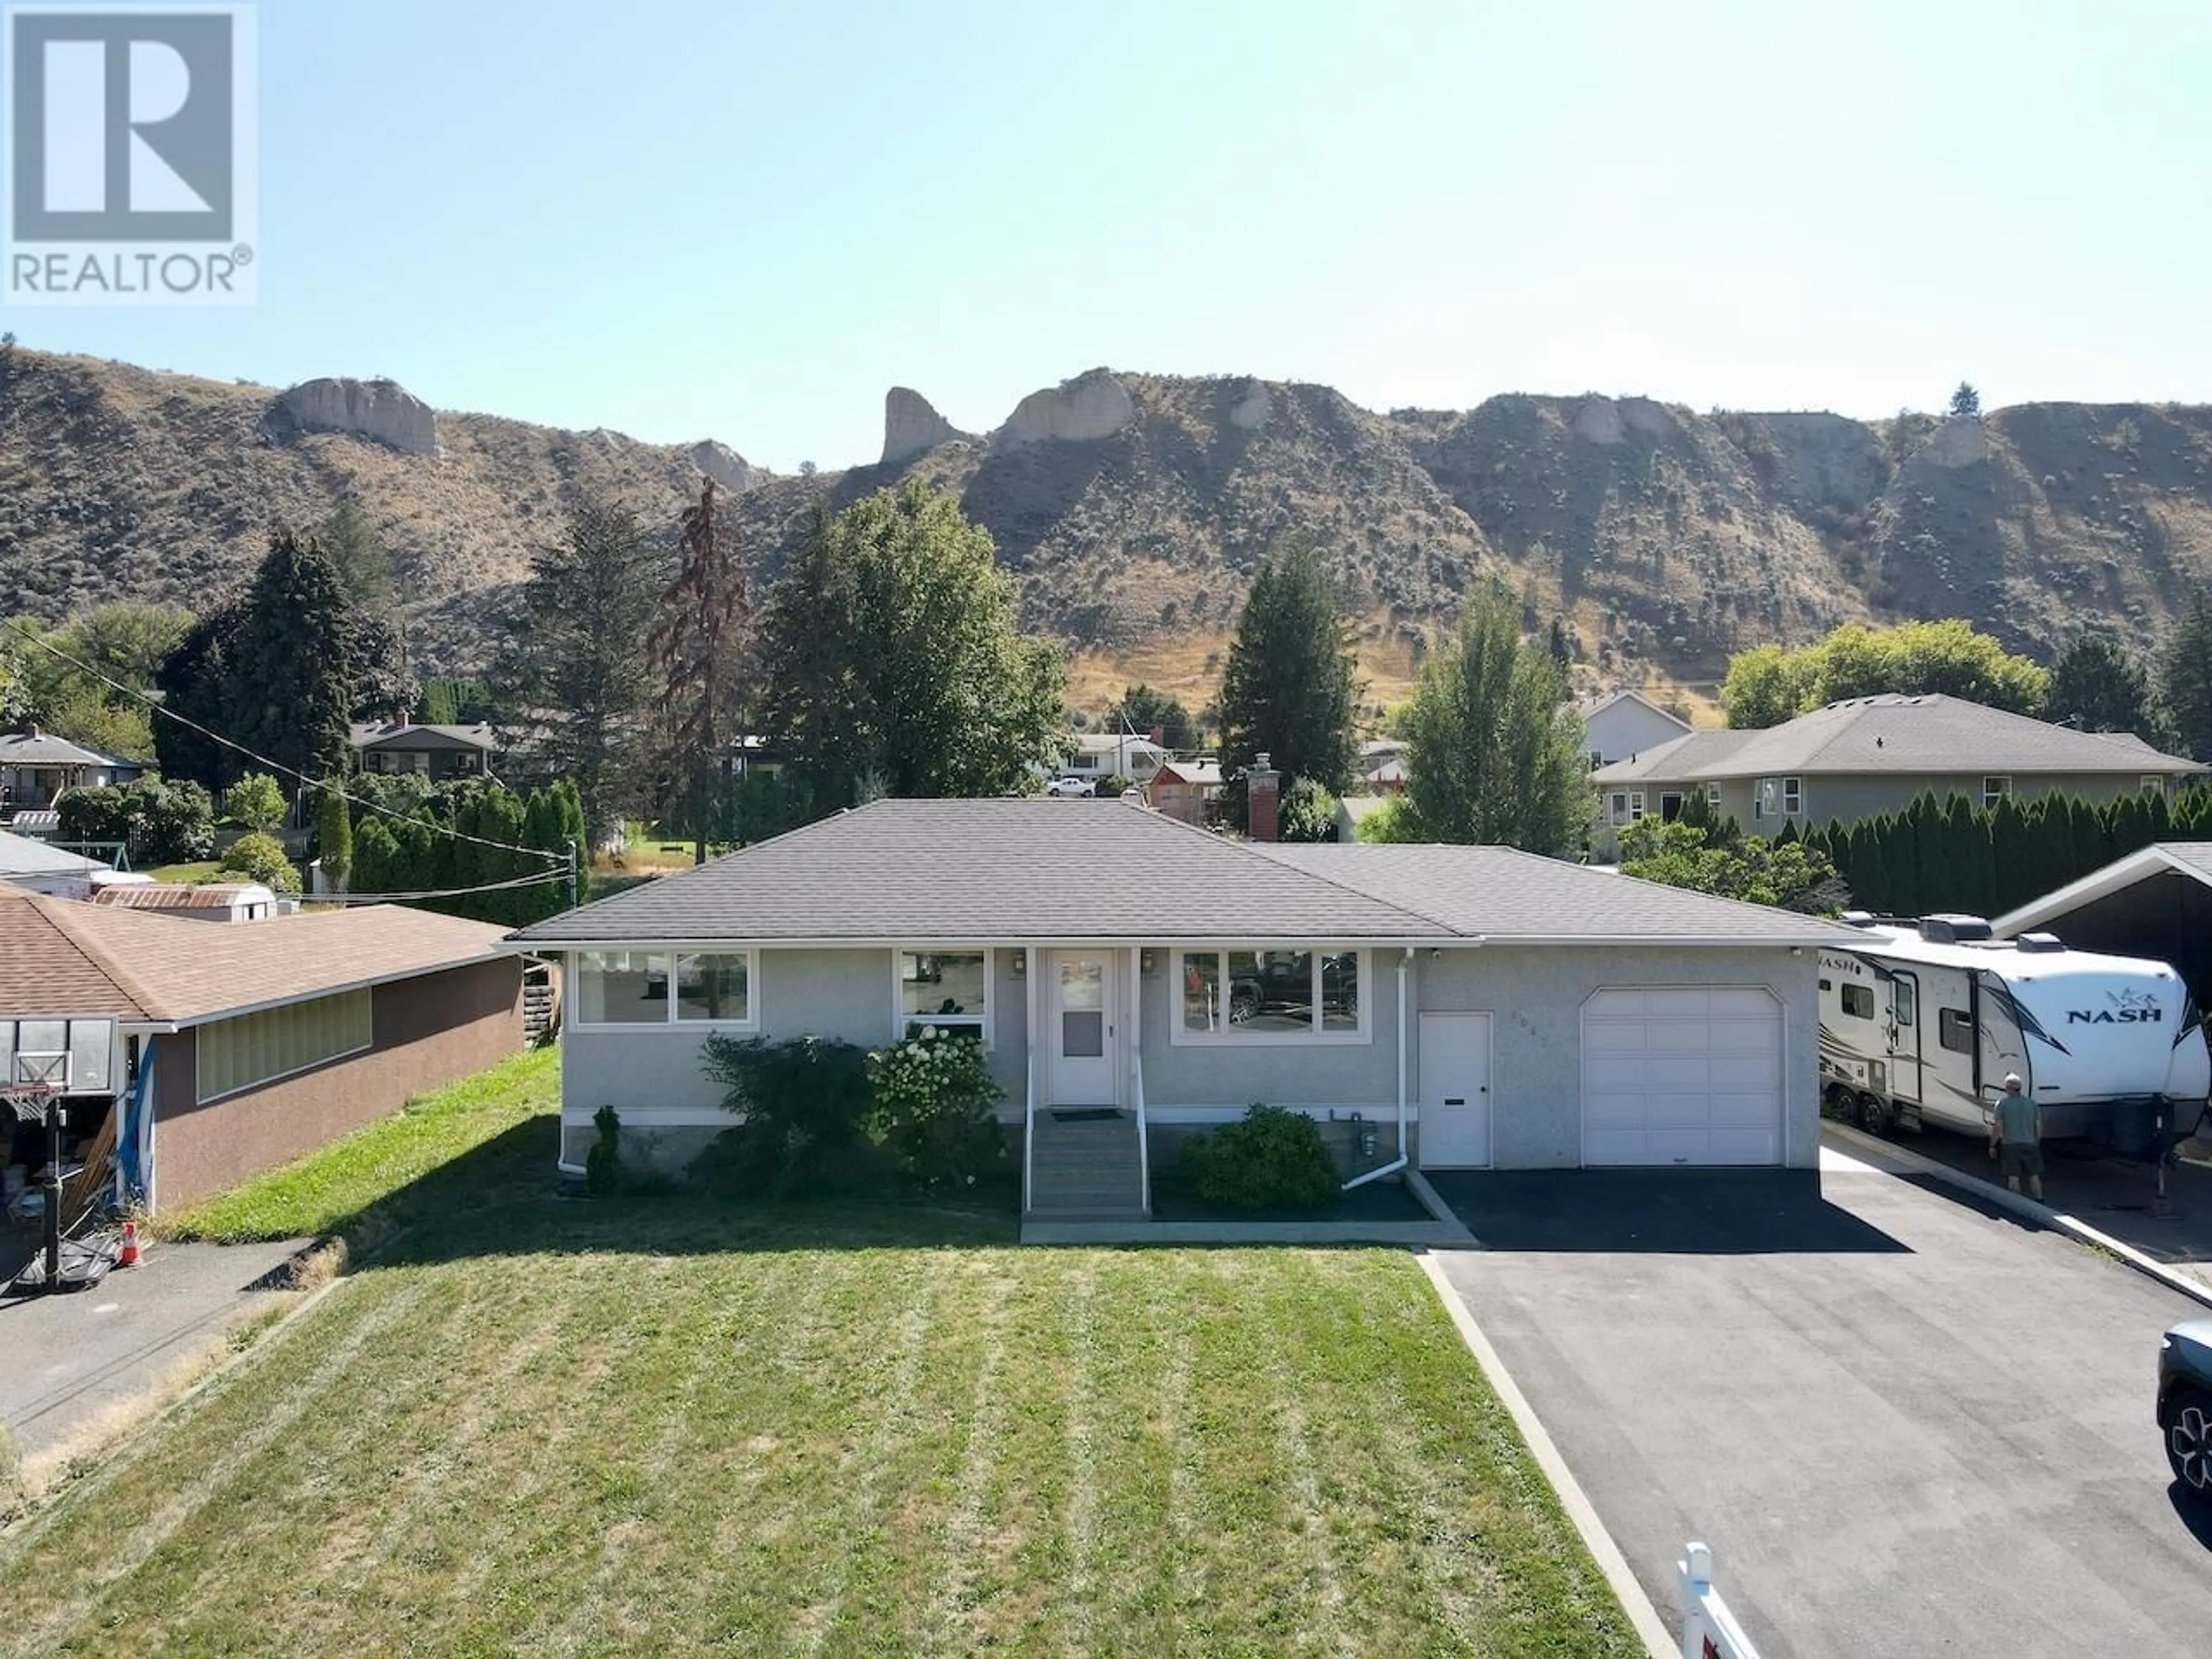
(2016, 1137)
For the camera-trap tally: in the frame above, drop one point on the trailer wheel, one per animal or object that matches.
(1838, 1102)
(1874, 1115)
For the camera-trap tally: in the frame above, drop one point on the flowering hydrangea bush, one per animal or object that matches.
(930, 1104)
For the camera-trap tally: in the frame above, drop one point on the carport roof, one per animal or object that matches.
(976, 872)
(2190, 858)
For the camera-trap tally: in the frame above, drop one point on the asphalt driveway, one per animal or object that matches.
(1906, 1424)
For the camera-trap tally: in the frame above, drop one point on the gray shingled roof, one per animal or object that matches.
(978, 871)
(1896, 734)
(1505, 896)
(23, 749)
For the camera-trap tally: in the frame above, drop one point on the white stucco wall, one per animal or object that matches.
(1535, 996)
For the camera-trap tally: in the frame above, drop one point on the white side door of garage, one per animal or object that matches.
(1682, 1075)
(1454, 1061)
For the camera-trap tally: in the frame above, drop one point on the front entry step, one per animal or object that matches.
(1084, 1166)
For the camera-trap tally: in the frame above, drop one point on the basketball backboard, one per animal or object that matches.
(78, 1052)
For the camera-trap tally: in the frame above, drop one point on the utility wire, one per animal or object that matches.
(24, 630)
(545, 880)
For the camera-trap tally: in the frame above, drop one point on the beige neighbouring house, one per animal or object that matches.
(1867, 756)
(1626, 723)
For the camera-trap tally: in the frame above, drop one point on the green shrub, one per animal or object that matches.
(1269, 1159)
(256, 801)
(603, 1163)
(805, 1103)
(1111, 786)
(161, 822)
(260, 857)
(1308, 813)
(932, 1097)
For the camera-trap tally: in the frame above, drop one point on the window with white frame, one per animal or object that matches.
(664, 987)
(1300, 994)
(1627, 806)
(948, 989)
(1793, 797)
(1994, 788)
(2152, 784)
(1713, 796)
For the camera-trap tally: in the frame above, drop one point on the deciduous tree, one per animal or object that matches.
(1767, 684)
(1494, 751)
(698, 646)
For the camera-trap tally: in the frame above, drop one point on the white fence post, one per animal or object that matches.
(1708, 1629)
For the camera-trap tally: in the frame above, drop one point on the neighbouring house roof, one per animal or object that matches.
(408, 736)
(1107, 743)
(20, 855)
(63, 956)
(983, 870)
(2189, 859)
(1899, 735)
(1203, 775)
(179, 896)
(44, 749)
(1590, 707)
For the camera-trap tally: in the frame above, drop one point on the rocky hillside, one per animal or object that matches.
(1133, 507)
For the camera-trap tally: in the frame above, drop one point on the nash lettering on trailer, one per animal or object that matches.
(2129, 1008)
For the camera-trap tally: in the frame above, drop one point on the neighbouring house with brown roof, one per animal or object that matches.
(1187, 790)
(230, 1050)
(1871, 756)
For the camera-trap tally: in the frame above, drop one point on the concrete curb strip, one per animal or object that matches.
(2021, 1204)
(1642, 1615)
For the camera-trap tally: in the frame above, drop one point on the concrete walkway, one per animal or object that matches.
(76, 1357)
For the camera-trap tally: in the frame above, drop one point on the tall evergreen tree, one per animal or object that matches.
(1290, 686)
(575, 670)
(1494, 748)
(2186, 678)
(697, 647)
(357, 554)
(334, 836)
(890, 657)
(2101, 688)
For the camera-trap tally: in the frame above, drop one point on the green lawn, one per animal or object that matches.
(190, 874)
(336, 1189)
(664, 1426)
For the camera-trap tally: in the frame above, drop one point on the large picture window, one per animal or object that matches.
(664, 987)
(948, 989)
(1299, 995)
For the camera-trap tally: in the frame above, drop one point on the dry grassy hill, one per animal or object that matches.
(1133, 507)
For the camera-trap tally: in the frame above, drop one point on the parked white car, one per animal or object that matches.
(1067, 784)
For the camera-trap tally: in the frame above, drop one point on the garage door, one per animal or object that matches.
(1682, 1075)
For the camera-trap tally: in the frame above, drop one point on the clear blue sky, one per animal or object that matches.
(745, 221)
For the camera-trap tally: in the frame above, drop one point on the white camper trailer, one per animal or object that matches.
(1920, 1025)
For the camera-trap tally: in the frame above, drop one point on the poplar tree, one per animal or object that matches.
(697, 648)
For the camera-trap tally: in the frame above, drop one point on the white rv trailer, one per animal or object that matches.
(1921, 1023)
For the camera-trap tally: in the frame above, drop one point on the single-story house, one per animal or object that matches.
(1188, 791)
(1351, 811)
(38, 769)
(1451, 1006)
(438, 752)
(1106, 754)
(1626, 722)
(2156, 903)
(233, 1049)
(213, 901)
(1871, 756)
(37, 867)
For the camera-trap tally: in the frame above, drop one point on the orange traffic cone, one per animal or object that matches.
(130, 1256)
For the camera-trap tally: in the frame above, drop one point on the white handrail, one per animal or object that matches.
(1144, 1136)
(1029, 1132)
(1708, 1629)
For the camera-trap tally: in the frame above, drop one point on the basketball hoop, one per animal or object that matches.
(34, 1081)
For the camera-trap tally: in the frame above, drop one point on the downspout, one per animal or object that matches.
(1403, 1158)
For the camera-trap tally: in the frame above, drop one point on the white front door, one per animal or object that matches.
(1455, 1091)
(1081, 1025)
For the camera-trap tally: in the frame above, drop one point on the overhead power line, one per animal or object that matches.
(24, 630)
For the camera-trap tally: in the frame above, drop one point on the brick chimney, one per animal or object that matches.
(1263, 801)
